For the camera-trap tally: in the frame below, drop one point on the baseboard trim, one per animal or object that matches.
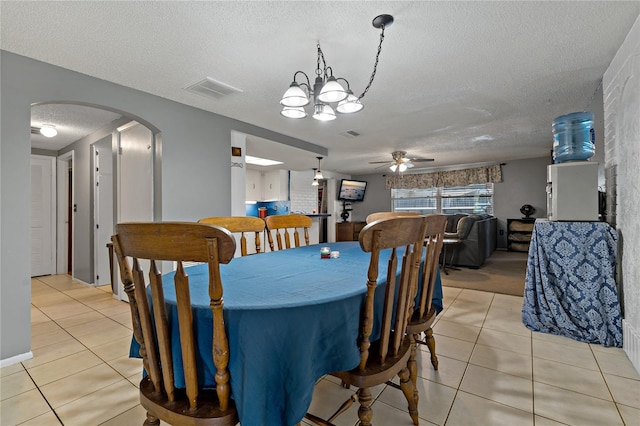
(16, 359)
(631, 343)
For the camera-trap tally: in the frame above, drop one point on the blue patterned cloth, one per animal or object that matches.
(570, 287)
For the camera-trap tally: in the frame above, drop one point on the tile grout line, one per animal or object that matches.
(102, 361)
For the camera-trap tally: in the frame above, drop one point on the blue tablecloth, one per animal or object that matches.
(291, 317)
(570, 287)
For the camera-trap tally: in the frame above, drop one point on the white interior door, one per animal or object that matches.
(135, 178)
(42, 215)
(103, 208)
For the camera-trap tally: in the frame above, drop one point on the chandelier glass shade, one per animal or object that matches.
(327, 89)
(350, 104)
(294, 112)
(294, 97)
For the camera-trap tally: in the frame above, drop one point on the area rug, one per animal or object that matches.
(504, 272)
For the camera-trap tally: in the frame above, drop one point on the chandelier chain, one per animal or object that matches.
(375, 65)
(324, 63)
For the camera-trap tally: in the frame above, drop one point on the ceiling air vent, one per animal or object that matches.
(350, 134)
(35, 130)
(212, 88)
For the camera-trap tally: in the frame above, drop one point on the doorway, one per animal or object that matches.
(64, 213)
(43, 225)
(103, 208)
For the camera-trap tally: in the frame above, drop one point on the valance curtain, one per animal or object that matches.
(464, 177)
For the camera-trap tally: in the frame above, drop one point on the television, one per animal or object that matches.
(351, 190)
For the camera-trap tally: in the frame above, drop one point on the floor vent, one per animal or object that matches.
(212, 88)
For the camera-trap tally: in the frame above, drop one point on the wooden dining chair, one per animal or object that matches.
(241, 225)
(385, 356)
(386, 215)
(287, 227)
(150, 243)
(425, 312)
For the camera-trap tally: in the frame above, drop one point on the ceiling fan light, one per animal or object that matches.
(402, 167)
(315, 182)
(332, 91)
(393, 167)
(350, 104)
(318, 175)
(293, 112)
(324, 113)
(48, 131)
(294, 96)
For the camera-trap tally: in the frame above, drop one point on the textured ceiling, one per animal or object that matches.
(461, 82)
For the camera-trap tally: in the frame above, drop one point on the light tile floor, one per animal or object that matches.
(493, 371)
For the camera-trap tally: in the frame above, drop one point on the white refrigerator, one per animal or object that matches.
(572, 191)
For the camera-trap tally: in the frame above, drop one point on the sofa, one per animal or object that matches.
(477, 235)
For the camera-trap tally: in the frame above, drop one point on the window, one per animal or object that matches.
(471, 199)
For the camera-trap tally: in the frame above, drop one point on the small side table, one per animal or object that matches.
(446, 242)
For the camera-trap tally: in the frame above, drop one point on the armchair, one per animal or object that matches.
(478, 239)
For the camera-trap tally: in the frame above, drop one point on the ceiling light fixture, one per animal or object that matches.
(399, 167)
(326, 89)
(260, 161)
(318, 173)
(48, 130)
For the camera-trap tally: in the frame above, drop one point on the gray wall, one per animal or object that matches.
(196, 178)
(376, 199)
(523, 182)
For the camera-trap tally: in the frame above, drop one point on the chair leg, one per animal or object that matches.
(413, 366)
(431, 344)
(364, 412)
(151, 420)
(410, 393)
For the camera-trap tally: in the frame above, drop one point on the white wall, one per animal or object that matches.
(621, 87)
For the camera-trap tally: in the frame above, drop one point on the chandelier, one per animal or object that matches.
(326, 89)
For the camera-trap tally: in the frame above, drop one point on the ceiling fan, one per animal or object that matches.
(401, 162)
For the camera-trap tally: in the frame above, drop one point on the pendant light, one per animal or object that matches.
(318, 173)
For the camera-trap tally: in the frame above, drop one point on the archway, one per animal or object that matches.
(84, 132)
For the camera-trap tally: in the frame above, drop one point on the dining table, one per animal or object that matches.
(291, 317)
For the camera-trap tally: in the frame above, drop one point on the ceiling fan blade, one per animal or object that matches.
(421, 160)
(381, 162)
(409, 164)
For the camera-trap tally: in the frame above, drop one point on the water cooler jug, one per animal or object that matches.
(573, 137)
